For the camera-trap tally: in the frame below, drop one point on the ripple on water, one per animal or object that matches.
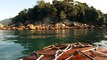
(10, 50)
(5, 44)
(105, 36)
(102, 43)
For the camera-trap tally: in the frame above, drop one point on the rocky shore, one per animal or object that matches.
(46, 27)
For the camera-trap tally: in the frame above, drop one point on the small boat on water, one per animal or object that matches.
(73, 51)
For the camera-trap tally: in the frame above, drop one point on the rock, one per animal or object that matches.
(59, 25)
(31, 26)
(19, 28)
(13, 28)
(1, 26)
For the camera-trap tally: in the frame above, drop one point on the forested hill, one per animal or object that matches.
(5, 22)
(60, 11)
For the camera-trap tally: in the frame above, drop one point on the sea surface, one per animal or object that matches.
(16, 44)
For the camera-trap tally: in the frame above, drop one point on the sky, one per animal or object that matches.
(10, 8)
(98, 4)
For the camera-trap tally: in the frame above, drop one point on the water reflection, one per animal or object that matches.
(34, 40)
(22, 43)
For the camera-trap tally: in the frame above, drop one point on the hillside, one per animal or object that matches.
(60, 11)
(6, 21)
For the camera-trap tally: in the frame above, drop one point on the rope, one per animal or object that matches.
(72, 55)
(36, 54)
(66, 49)
(57, 53)
(40, 57)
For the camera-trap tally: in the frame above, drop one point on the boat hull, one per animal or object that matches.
(73, 53)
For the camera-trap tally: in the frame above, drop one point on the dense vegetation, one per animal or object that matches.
(61, 12)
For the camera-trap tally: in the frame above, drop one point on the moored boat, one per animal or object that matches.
(73, 51)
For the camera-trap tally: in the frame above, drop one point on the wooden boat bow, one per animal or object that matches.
(73, 51)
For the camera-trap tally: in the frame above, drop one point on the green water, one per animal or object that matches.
(17, 44)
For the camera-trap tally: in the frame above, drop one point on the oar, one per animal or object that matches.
(91, 58)
(77, 53)
(89, 50)
(100, 53)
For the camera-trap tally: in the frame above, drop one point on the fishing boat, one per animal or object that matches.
(71, 51)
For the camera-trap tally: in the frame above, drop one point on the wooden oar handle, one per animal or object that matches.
(91, 58)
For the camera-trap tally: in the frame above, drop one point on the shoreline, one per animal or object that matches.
(49, 27)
